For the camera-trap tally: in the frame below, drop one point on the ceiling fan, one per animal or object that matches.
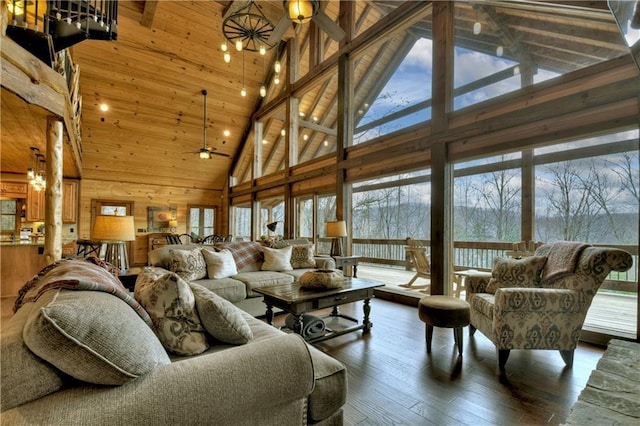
(302, 11)
(206, 152)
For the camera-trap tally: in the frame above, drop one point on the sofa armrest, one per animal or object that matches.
(241, 385)
(325, 262)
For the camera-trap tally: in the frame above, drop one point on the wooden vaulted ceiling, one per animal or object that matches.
(167, 52)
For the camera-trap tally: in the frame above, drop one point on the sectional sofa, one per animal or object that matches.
(250, 270)
(80, 350)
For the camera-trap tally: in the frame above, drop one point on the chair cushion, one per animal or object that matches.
(220, 318)
(188, 264)
(277, 259)
(172, 307)
(302, 256)
(507, 272)
(219, 264)
(92, 336)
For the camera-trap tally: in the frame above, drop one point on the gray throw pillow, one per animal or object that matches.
(92, 336)
(220, 317)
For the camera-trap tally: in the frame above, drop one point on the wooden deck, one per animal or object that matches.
(613, 314)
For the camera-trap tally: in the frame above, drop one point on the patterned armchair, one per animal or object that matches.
(529, 304)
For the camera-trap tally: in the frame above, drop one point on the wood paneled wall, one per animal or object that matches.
(142, 197)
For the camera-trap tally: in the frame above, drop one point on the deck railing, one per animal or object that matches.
(470, 255)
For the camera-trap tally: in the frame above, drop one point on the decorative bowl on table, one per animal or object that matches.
(322, 279)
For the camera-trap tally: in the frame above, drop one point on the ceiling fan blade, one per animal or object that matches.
(327, 25)
(281, 27)
(220, 154)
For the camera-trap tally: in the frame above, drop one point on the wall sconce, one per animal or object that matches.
(173, 224)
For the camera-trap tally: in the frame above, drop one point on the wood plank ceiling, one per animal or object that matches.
(167, 52)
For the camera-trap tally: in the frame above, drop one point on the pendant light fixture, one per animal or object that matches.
(248, 29)
(477, 26)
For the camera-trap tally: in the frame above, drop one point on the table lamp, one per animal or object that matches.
(114, 231)
(336, 230)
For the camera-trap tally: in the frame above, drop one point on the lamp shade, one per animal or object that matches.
(173, 223)
(113, 228)
(301, 11)
(337, 229)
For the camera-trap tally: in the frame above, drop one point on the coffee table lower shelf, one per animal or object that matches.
(298, 301)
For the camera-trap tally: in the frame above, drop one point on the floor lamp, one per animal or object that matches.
(336, 230)
(114, 231)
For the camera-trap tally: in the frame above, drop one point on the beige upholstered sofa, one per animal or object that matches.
(250, 265)
(540, 302)
(81, 351)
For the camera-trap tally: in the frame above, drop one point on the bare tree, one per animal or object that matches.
(501, 196)
(569, 201)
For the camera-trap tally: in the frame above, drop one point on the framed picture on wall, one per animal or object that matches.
(159, 218)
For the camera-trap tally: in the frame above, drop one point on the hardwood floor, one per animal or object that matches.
(393, 381)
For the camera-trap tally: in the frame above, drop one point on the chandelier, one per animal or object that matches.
(35, 173)
(248, 29)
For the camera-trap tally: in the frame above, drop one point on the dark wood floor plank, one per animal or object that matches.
(393, 381)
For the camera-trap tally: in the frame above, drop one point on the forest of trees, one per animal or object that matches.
(595, 200)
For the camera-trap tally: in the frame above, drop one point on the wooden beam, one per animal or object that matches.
(149, 13)
(53, 191)
(441, 167)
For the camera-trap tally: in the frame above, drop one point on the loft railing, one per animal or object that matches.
(46, 27)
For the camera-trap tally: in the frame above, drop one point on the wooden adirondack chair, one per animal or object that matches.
(418, 254)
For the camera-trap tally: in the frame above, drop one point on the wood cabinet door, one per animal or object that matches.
(35, 205)
(69, 201)
(13, 189)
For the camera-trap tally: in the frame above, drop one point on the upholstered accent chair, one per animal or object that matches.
(529, 304)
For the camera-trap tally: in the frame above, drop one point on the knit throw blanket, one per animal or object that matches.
(90, 274)
(562, 259)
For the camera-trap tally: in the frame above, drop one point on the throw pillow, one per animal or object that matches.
(302, 256)
(277, 259)
(219, 264)
(245, 253)
(188, 264)
(92, 336)
(172, 307)
(220, 317)
(525, 272)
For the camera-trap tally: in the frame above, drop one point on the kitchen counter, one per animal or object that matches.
(40, 243)
(19, 262)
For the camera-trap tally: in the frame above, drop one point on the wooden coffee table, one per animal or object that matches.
(297, 301)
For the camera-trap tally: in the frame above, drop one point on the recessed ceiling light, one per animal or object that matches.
(226, 132)
(104, 107)
(264, 141)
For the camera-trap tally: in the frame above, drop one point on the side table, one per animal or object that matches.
(128, 279)
(342, 261)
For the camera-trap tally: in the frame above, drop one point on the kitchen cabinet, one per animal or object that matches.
(69, 201)
(13, 189)
(35, 203)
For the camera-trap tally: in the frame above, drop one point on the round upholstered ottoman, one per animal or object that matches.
(444, 311)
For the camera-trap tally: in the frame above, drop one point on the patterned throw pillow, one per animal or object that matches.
(220, 317)
(219, 264)
(277, 259)
(188, 264)
(172, 307)
(302, 256)
(525, 272)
